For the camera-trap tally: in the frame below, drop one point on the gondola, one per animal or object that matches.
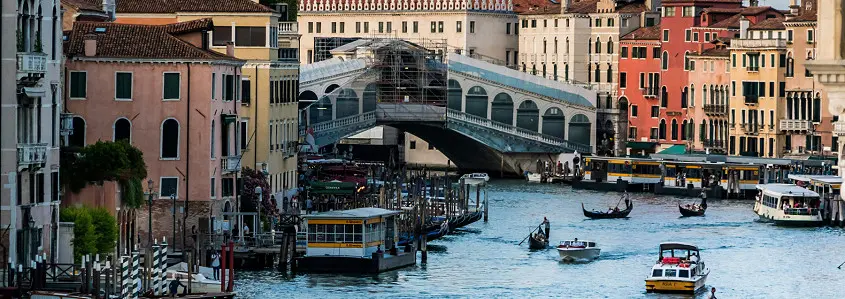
(538, 241)
(432, 232)
(693, 213)
(608, 215)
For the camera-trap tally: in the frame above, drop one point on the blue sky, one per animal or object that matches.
(778, 4)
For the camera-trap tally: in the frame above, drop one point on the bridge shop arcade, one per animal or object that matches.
(358, 240)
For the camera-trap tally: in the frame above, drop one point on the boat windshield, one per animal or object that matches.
(678, 256)
(574, 244)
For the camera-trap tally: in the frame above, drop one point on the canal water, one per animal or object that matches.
(747, 259)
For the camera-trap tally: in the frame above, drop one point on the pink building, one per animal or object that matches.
(710, 81)
(157, 87)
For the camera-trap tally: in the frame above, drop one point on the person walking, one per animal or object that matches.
(215, 264)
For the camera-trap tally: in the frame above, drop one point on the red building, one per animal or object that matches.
(689, 26)
(639, 86)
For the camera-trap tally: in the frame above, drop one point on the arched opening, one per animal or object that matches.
(661, 130)
(527, 115)
(684, 130)
(122, 130)
(684, 97)
(554, 122)
(346, 103)
(477, 101)
(674, 129)
(502, 108)
(664, 61)
(623, 103)
(77, 139)
(227, 208)
(370, 98)
(579, 129)
(170, 139)
(331, 88)
(320, 111)
(307, 96)
(664, 97)
(454, 95)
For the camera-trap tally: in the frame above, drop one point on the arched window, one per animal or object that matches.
(476, 101)
(598, 45)
(589, 46)
(122, 130)
(684, 97)
(331, 88)
(78, 137)
(664, 97)
(589, 73)
(170, 139)
(598, 73)
(566, 48)
(610, 46)
(213, 138)
(608, 102)
(674, 129)
(664, 61)
(684, 130)
(686, 61)
(692, 95)
(544, 45)
(609, 73)
(662, 129)
(555, 45)
(704, 101)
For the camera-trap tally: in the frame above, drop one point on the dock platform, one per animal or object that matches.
(353, 264)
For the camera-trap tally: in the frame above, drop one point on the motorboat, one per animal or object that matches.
(788, 205)
(679, 269)
(578, 251)
(533, 177)
(200, 282)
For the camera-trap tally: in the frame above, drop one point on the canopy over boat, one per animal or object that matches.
(677, 246)
(787, 189)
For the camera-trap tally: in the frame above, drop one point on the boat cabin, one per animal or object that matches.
(791, 199)
(677, 260)
(358, 232)
(577, 244)
(827, 186)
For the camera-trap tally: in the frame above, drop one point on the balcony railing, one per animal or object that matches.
(289, 54)
(230, 164)
(715, 109)
(31, 63)
(839, 128)
(750, 128)
(32, 153)
(651, 92)
(288, 27)
(795, 125)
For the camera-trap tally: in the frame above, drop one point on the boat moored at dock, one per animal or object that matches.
(788, 205)
(678, 269)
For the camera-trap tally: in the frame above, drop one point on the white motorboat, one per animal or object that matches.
(578, 251)
(679, 269)
(200, 282)
(534, 177)
(790, 205)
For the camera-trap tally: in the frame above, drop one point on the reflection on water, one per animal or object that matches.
(747, 259)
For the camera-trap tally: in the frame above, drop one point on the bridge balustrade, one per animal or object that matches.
(513, 130)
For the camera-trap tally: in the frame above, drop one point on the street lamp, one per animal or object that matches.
(150, 213)
(260, 193)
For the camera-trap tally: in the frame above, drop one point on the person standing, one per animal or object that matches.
(309, 206)
(215, 264)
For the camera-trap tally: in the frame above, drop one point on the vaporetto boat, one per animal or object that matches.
(679, 269)
(788, 205)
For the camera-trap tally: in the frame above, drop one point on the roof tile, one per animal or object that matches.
(173, 6)
(94, 5)
(644, 33)
(769, 24)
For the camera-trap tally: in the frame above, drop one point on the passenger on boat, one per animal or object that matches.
(785, 206)
(693, 258)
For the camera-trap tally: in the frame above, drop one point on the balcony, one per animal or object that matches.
(289, 55)
(31, 63)
(751, 99)
(288, 28)
(839, 128)
(757, 43)
(230, 164)
(795, 125)
(713, 109)
(750, 128)
(651, 92)
(32, 153)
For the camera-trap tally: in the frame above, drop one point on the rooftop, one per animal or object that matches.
(582, 6)
(644, 33)
(116, 40)
(95, 5)
(769, 24)
(535, 7)
(174, 6)
(714, 52)
(359, 213)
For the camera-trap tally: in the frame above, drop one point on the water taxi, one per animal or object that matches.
(786, 204)
(578, 251)
(679, 269)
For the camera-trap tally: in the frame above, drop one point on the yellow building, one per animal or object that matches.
(267, 127)
(757, 89)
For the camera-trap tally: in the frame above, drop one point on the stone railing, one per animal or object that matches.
(715, 109)
(32, 153)
(516, 131)
(288, 27)
(758, 43)
(839, 128)
(795, 125)
(403, 5)
(32, 63)
(346, 121)
(230, 164)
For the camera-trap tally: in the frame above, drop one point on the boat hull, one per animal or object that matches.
(691, 213)
(614, 215)
(578, 255)
(777, 217)
(537, 244)
(674, 286)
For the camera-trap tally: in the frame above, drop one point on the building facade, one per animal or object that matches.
(710, 79)
(267, 127)
(176, 104)
(639, 78)
(30, 92)
(486, 29)
(808, 124)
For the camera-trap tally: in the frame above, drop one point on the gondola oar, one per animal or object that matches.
(529, 235)
(840, 265)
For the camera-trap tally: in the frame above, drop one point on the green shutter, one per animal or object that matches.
(78, 82)
(171, 86)
(123, 86)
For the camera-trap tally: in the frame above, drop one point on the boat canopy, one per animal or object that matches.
(787, 189)
(677, 246)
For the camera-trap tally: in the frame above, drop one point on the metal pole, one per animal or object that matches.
(173, 197)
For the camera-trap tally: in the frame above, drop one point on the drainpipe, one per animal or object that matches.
(187, 166)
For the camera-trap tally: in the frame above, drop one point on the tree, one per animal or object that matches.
(249, 199)
(106, 230)
(94, 230)
(105, 161)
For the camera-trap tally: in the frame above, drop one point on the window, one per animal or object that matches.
(228, 187)
(245, 90)
(655, 111)
(555, 22)
(440, 27)
(77, 139)
(688, 11)
(733, 60)
(213, 86)
(781, 89)
(244, 136)
(253, 36)
(412, 145)
(389, 27)
(655, 53)
(471, 26)
(642, 80)
(123, 86)
(404, 26)
(508, 28)
(366, 27)
(213, 188)
(733, 88)
(213, 139)
(342, 27)
(222, 35)
(623, 80)
(695, 36)
(357, 27)
(634, 111)
(78, 85)
(334, 27)
(545, 23)
(380, 27)
(687, 35)
(170, 139)
(623, 53)
(319, 28)
(122, 130)
(810, 37)
(789, 36)
(598, 22)
(664, 63)
(610, 22)
(416, 26)
(169, 186)
(668, 11)
(171, 86)
(458, 26)
(707, 36)
(433, 27)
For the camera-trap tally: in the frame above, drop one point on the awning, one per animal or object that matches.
(676, 149)
(641, 145)
(337, 188)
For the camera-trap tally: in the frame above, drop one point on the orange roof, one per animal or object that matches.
(173, 6)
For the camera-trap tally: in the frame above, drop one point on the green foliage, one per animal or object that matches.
(106, 230)
(105, 161)
(94, 231)
(249, 199)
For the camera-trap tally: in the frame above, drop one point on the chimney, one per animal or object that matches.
(753, 3)
(793, 7)
(230, 49)
(564, 5)
(108, 7)
(743, 27)
(90, 44)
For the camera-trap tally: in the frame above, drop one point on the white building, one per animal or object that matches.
(30, 117)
